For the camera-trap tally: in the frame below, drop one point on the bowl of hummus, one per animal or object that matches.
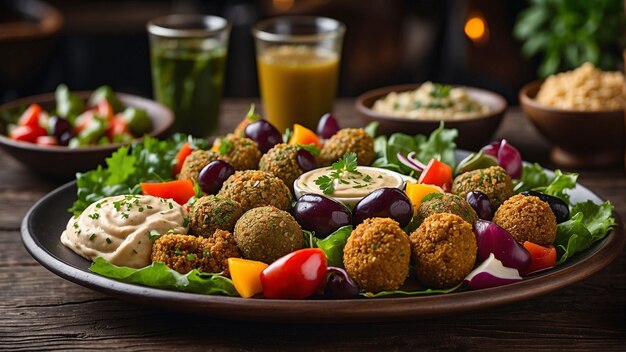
(418, 108)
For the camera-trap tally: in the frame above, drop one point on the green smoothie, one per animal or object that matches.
(190, 82)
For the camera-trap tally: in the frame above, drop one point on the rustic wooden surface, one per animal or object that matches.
(40, 311)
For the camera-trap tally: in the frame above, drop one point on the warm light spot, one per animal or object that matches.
(282, 5)
(476, 29)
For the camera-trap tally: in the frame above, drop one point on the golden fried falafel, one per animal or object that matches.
(210, 213)
(240, 152)
(527, 218)
(377, 255)
(445, 203)
(348, 140)
(184, 253)
(195, 162)
(267, 233)
(282, 161)
(443, 249)
(492, 181)
(254, 188)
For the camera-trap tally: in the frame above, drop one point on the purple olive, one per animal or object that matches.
(481, 204)
(339, 284)
(264, 134)
(306, 160)
(557, 205)
(384, 203)
(327, 126)
(320, 214)
(59, 126)
(213, 175)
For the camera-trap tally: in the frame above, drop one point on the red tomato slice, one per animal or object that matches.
(179, 190)
(27, 133)
(105, 109)
(297, 275)
(83, 120)
(438, 174)
(117, 127)
(541, 257)
(183, 153)
(30, 117)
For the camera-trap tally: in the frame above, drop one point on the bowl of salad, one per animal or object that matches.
(418, 108)
(59, 134)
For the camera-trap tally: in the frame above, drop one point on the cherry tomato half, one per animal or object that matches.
(297, 275)
(438, 174)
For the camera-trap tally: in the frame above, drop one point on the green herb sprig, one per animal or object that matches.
(347, 164)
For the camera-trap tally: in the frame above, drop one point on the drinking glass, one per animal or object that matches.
(188, 60)
(298, 64)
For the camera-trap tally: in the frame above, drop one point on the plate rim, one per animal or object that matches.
(331, 311)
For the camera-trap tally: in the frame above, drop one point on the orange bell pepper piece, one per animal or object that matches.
(304, 136)
(417, 191)
(246, 276)
(183, 153)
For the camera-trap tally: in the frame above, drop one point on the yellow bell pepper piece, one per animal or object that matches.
(417, 191)
(246, 276)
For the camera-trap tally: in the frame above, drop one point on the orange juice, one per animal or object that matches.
(298, 84)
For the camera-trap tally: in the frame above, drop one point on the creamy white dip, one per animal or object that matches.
(350, 185)
(117, 228)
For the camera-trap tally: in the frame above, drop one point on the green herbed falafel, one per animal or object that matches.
(210, 213)
(443, 249)
(377, 255)
(282, 161)
(445, 203)
(195, 162)
(184, 253)
(527, 218)
(348, 140)
(240, 152)
(254, 188)
(492, 181)
(268, 233)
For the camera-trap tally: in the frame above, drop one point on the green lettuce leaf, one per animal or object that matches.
(439, 145)
(399, 293)
(535, 178)
(589, 223)
(333, 245)
(160, 276)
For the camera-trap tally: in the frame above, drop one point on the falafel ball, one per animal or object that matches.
(195, 162)
(377, 255)
(527, 218)
(446, 203)
(241, 152)
(267, 233)
(210, 213)
(345, 141)
(254, 188)
(492, 181)
(184, 253)
(443, 249)
(282, 161)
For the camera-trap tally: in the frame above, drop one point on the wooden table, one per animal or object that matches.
(40, 311)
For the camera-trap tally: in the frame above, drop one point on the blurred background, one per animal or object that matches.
(493, 44)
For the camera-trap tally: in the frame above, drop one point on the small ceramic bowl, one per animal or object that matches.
(473, 133)
(299, 190)
(62, 163)
(581, 139)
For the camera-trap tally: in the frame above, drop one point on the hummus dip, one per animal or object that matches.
(351, 185)
(117, 228)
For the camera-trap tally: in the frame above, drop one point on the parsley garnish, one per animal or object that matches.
(225, 146)
(154, 235)
(347, 164)
(440, 90)
(191, 256)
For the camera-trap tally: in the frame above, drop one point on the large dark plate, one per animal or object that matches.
(44, 223)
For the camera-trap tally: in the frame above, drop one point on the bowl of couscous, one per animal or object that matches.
(581, 112)
(418, 109)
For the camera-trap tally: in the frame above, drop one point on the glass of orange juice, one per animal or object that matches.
(298, 63)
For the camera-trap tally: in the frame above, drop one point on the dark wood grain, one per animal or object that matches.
(41, 311)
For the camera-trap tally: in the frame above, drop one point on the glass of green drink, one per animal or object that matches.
(188, 59)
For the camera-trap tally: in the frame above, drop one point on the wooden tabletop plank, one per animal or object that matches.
(41, 311)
